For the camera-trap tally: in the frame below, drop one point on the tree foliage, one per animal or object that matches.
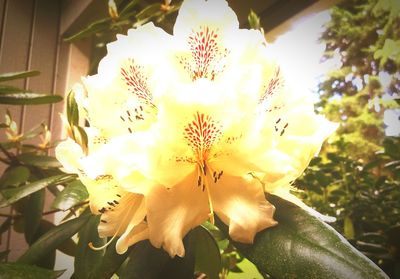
(356, 177)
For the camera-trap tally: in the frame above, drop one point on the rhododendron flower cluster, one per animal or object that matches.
(187, 126)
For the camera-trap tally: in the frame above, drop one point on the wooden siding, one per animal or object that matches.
(30, 39)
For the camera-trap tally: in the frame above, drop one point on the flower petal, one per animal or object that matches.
(241, 204)
(69, 153)
(123, 217)
(132, 235)
(196, 13)
(171, 213)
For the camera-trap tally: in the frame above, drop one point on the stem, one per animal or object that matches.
(8, 154)
(16, 216)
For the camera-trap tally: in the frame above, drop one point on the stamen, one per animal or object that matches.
(210, 204)
(115, 234)
(104, 246)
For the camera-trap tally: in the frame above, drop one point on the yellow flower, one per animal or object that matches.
(200, 122)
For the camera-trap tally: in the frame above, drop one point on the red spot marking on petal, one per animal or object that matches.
(206, 54)
(136, 81)
(201, 134)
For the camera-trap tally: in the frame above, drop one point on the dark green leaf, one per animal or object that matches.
(302, 246)
(5, 89)
(178, 267)
(41, 161)
(24, 271)
(6, 225)
(10, 196)
(14, 176)
(145, 261)
(4, 254)
(128, 8)
(68, 247)
(52, 239)
(26, 98)
(17, 75)
(49, 259)
(148, 12)
(91, 29)
(86, 259)
(72, 109)
(110, 262)
(206, 251)
(73, 194)
(33, 214)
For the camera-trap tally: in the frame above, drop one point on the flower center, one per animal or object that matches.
(201, 134)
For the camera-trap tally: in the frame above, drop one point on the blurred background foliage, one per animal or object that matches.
(355, 178)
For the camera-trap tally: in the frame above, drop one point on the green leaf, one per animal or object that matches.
(28, 98)
(248, 271)
(52, 239)
(49, 259)
(110, 262)
(14, 176)
(73, 194)
(72, 109)
(91, 29)
(86, 259)
(6, 225)
(40, 161)
(254, 20)
(18, 75)
(33, 214)
(5, 89)
(23, 271)
(302, 246)
(132, 4)
(4, 254)
(68, 247)
(348, 228)
(206, 251)
(145, 261)
(10, 196)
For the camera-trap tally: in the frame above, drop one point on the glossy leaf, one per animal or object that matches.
(41, 161)
(73, 194)
(129, 7)
(302, 246)
(5, 225)
(14, 176)
(33, 214)
(206, 251)
(4, 89)
(72, 109)
(145, 261)
(28, 98)
(87, 259)
(23, 271)
(4, 254)
(18, 75)
(52, 239)
(91, 29)
(10, 196)
(110, 262)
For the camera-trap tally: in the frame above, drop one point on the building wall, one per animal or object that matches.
(31, 39)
